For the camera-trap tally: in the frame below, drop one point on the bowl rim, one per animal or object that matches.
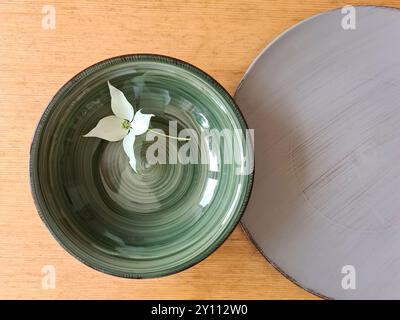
(52, 104)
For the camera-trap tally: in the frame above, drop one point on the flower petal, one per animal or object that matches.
(108, 128)
(141, 122)
(127, 144)
(119, 104)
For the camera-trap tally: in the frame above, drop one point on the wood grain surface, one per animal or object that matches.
(220, 37)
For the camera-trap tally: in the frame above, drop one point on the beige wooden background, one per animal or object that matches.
(220, 37)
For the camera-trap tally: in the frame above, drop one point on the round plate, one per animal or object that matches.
(172, 212)
(325, 106)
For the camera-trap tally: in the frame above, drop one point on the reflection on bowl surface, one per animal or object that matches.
(165, 217)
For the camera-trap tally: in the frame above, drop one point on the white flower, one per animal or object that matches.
(124, 124)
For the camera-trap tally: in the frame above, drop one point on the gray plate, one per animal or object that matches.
(325, 106)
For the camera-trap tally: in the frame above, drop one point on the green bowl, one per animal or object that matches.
(164, 218)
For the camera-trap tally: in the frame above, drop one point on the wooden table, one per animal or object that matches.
(220, 37)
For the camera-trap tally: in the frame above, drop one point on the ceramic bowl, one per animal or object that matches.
(164, 217)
